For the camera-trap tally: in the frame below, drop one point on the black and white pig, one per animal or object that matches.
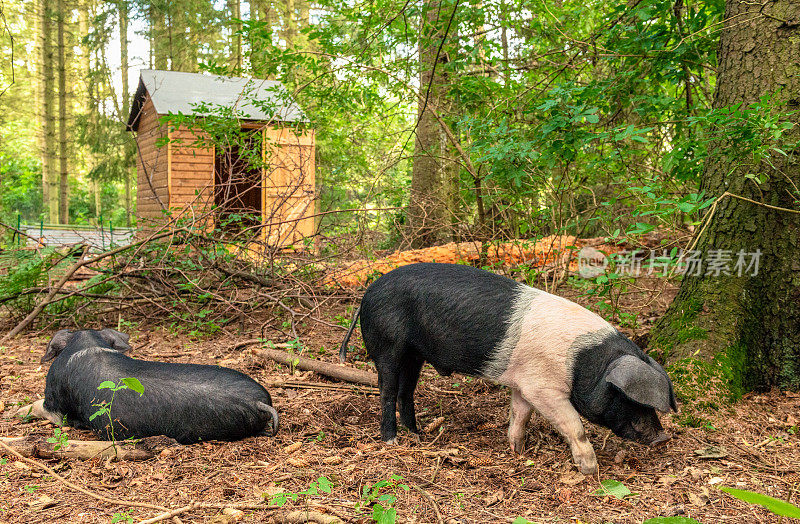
(556, 356)
(188, 402)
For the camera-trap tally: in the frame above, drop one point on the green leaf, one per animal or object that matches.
(278, 500)
(97, 413)
(521, 520)
(134, 384)
(777, 506)
(324, 484)
(107, 384)
(614, 488)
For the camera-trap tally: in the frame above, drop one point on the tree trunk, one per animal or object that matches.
(289, 23)
(158, 38)
(122, 8)
(46, 95)
(262, 11)
(428, 220)
(63, 186)
(234, 10)
(749, 324)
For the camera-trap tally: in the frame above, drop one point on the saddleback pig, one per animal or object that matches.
(556, 356)
(187, 402)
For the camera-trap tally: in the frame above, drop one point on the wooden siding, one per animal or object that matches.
(182, 175)
(191, 171)
(288, 188)
(152, 196)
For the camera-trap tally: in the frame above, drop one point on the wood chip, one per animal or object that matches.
(291, 448)
(297, 462)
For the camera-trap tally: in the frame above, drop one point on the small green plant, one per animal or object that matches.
(382, 495)
(322, 484)
(104, 408)
(59, 438)
(522, 520)
(614, 488)
(31, 488)
(776, 506)
(123, 516)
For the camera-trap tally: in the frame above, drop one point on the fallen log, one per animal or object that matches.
(336, 371)
(133, 450)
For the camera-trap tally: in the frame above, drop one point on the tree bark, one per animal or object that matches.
(344, 373)
(234, 11)
(428, 220)
(63, 177)
(122, 9)
(749, 324)
(158, 38)
(46, 95)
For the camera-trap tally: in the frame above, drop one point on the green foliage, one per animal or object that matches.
(776, 506)
(123, 516)
(20, 189)
(321, 485)
(382, 495)
(614, 488)
(104, 407)
(59, 438)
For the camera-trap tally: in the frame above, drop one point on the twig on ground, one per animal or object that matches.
(432, 501)
(336, 371)
(118, 502)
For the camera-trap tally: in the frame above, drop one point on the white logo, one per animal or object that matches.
(591, 262)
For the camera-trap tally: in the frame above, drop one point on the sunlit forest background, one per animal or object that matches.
(566, 112)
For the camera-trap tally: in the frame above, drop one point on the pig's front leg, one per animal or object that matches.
(519, 415)
(37, 410)
(557, 408)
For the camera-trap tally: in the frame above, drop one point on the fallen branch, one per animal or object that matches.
(36, 447)
(336, 371)
(303, 516)
(369, 390)
(118, 502)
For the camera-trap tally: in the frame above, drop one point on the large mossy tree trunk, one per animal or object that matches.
(748, 325)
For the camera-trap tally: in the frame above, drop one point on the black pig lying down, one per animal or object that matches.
(556, 356)
(187, 402)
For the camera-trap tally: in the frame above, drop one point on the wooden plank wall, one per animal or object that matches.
(192, 171)
(288, 190)
(151, 163)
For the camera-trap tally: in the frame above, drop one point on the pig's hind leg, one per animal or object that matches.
(519, 415)
(409, 375)
(388, 383)
(556, 407)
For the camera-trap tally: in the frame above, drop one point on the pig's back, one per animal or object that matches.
(453, 316)
(188, 402)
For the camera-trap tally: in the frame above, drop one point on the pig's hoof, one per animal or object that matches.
(391, 442)
(518, 446)
(588, 467)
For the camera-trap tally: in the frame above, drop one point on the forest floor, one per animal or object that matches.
(461, 473)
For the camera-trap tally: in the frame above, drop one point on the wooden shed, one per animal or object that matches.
(184, 171)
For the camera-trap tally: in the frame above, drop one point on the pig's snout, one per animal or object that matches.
(662, 437)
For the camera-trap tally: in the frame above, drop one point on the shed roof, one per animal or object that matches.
(201, 94)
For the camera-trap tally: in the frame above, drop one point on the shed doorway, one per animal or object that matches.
(237, 185)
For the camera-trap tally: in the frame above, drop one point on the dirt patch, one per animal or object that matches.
(464, 474)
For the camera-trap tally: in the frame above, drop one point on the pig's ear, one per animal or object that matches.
(672, 401)
(118, 341)
(640, 382)
(57, 344)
